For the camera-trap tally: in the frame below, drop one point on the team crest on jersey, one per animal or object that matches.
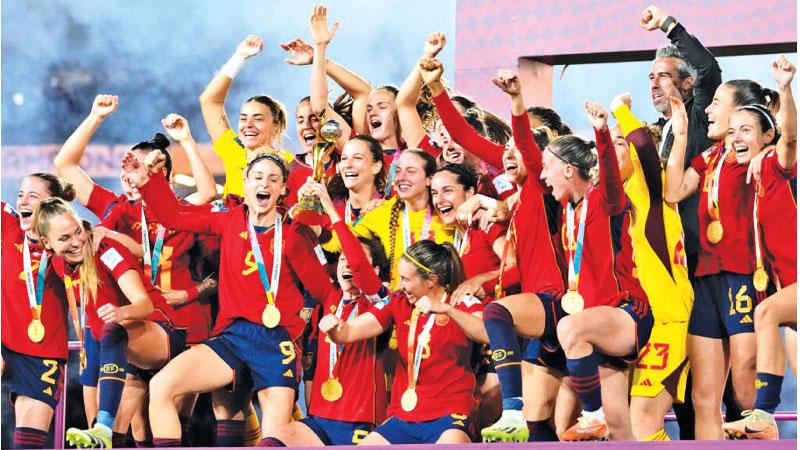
(305, 313)
(111, 258)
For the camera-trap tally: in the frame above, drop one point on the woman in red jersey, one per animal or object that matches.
(34, 313)
(534, 313)
(165, 252)
(349, 379)
(129, 318)
(481, 252)
(775, 231)
(609, 318)
(432, 397)
(254, 334)
(724, 290)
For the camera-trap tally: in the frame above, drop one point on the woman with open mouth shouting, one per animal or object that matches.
(775, 227)
(349, 379)
(728, 284)
(34, 313)
(129, 317)
(432, 397)
(531, 314)
(258, 326)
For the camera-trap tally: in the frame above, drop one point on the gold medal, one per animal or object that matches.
(331, 389)
(409, 400)
(271, 316)
(714, 232)
(760, 279)
(572, 302)
(83, 358)
(393, 340)
(442, 320)
(36, 330)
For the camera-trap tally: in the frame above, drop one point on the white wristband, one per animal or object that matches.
(487, 202)
(233, 66)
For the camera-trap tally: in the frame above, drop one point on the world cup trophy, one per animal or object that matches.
(308, 209)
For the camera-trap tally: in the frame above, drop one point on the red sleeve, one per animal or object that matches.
(10, 219)
(429, 147)
(699, 164)
(100, 201)
(363, 275)
(496, 231)
(510, 278)
(383, 311)
(306, 266)
(611, 187)
(116, 258)
(523, 137)
(775, 165)
(168, 211)
(466, 136)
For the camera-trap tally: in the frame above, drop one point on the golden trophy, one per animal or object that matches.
(308, 209)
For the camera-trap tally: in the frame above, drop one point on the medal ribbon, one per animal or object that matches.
(348, 215)
(426, 227)
(713, 196)
(77, 323)
(271, 289)
(390, 179)
(576, 256)
(151, 262)
(335, 350)
(461, 242)
(35, 294)
(757, 237)
(415, 355)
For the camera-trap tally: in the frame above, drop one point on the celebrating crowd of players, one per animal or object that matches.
(469, 278)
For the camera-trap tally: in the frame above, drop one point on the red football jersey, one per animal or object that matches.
(241, 294)
(477, 252)
(735, 252)
(113, 260)
(173, 268)
(607, 269)
(777, 217)
(446, 381)
(16, 308)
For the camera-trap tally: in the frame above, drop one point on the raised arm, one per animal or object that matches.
(508, 82)
(709, 74)
(610, 181)
(161, 201)
(680, 183)
(212, 100)
(178, 129)
(68, 160)
(408, 96)
(461, 132)
(636, 133)
(787, 117)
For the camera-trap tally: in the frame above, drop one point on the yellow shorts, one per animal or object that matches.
(663, 363)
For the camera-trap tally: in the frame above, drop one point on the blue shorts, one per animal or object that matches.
(267, 356)
(398, 431)
(546, 351)
(337, 432)
(91, 372)
(310, 359)
(177, 344)
(30, 376)
(723, 305)
(642, 316)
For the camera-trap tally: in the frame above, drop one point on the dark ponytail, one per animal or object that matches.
(57, 187)
(577, 152)
(748, 92)
(439, 259)
(160, 143)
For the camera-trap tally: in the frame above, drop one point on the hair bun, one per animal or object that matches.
(160, 141)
